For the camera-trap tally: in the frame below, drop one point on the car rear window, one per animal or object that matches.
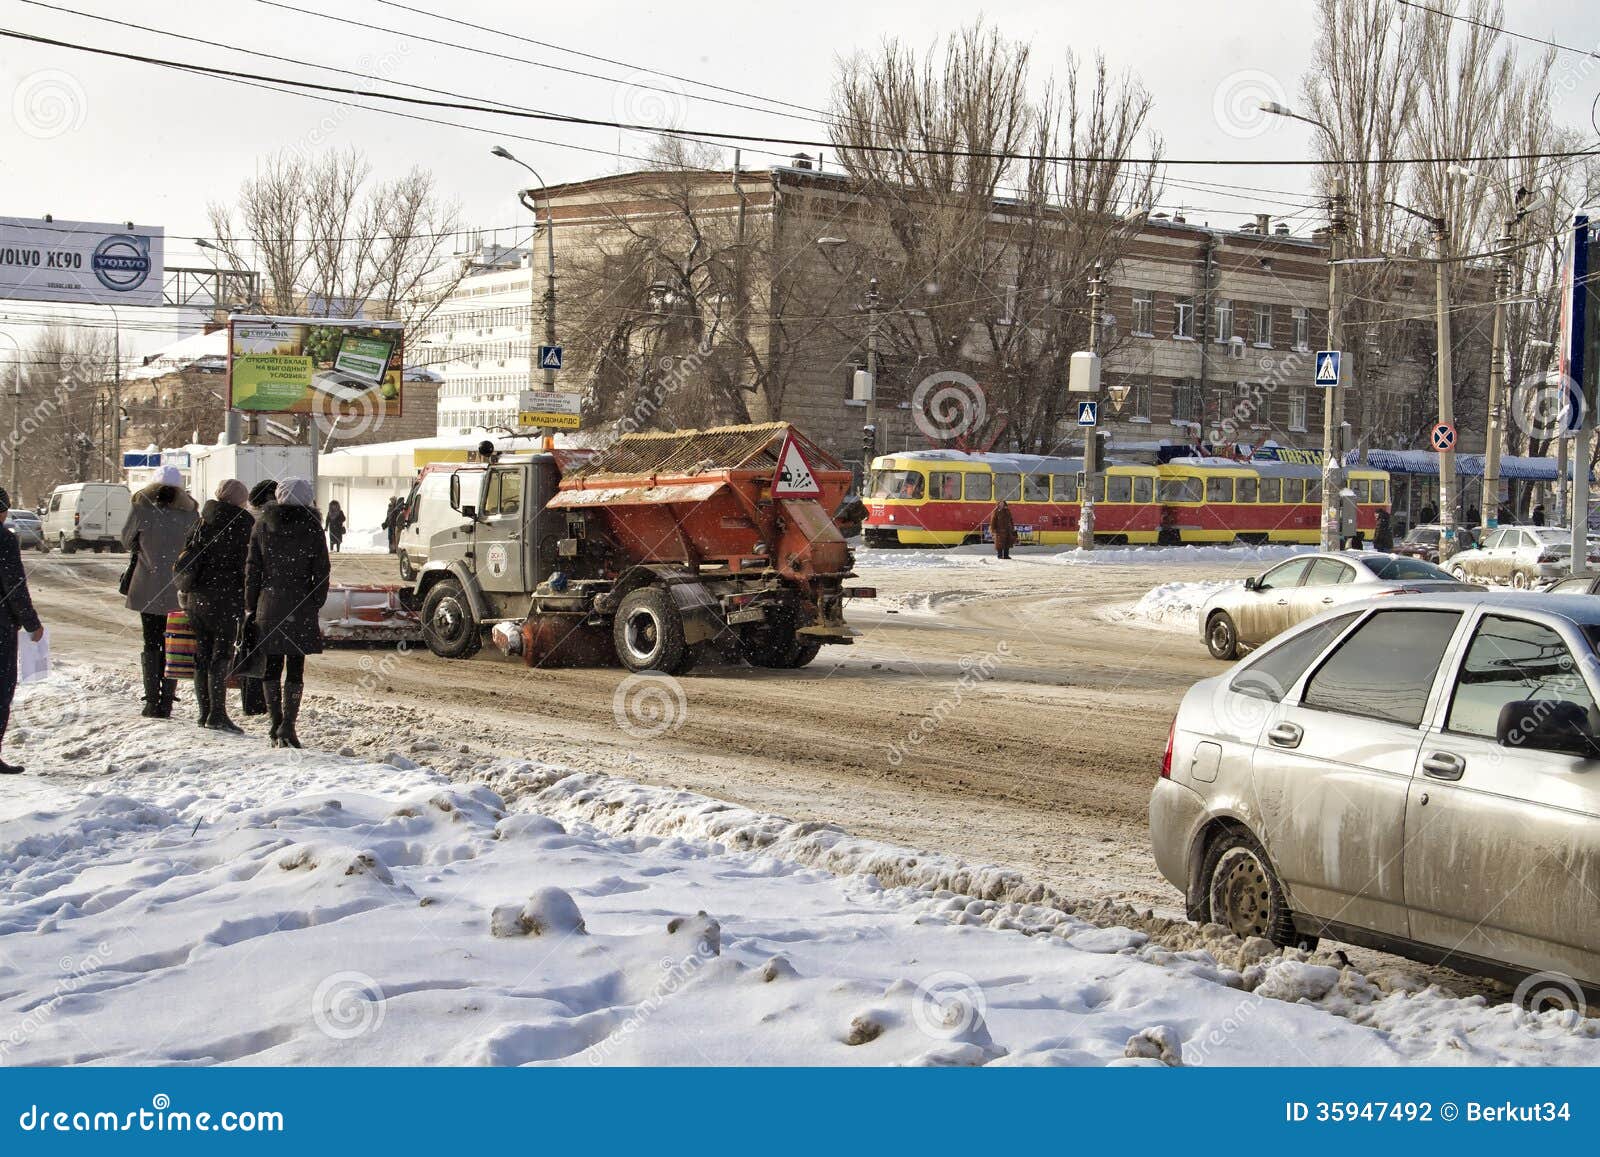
(1386, 668)
(1278, 668)
(1400, 567)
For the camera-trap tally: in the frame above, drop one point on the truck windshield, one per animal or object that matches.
(896, 484)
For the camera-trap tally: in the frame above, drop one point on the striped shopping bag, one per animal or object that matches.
(180, 646)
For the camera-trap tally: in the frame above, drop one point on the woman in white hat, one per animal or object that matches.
(158, 522)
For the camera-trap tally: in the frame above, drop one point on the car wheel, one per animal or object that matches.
(648, 633)
(1459, 574)
(448, 626)
(1242, 892)
(67, 547)
(408, 573)
(1222, 637)
(1519, 580)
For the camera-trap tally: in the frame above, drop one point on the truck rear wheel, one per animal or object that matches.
(448, 626)
(775, 644)
(648, 633)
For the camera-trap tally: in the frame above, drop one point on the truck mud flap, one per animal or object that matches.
(699, 610)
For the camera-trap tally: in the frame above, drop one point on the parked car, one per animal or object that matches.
(1419, 775)
(26, 526)
(1423, 541)
(1238, 618)
(1578, 584)
(87, 514)
(1523, 556)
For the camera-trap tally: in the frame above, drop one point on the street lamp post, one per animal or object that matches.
(550, 274)
(1333, 396)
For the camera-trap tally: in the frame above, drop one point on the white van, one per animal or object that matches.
(86, 514)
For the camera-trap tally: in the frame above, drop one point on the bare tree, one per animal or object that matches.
(331, 241)
(64, 427)
(984, 247)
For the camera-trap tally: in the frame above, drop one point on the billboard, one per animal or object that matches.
(80, 261)
(300, 365)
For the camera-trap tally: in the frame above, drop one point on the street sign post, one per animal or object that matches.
(1088, 413)
(549, 357)
(1328, 366)
(558, 411)
(1443, 437)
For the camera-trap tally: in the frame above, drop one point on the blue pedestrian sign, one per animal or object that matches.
(549, 357)
(1328, 367)
(1088, 413)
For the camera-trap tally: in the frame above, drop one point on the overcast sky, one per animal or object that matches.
(97, 139)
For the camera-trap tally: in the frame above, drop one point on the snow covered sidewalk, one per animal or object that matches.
(174, 897)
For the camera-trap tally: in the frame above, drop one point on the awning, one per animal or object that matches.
(1426, 463)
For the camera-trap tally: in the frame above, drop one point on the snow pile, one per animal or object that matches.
(181, 897)
(906, 558)
(1171, 605)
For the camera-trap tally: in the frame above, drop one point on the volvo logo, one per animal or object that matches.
(121, 262)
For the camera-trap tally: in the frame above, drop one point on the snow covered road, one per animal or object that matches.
(171, 896)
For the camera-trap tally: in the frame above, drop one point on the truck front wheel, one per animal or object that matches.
(649, 633)
(447, 623)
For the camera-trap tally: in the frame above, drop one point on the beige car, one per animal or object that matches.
(1519, 556)
(1418, 774)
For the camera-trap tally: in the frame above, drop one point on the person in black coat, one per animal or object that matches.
(210, 572)
(262, 495)
(336, 523)
(285, 585)
(16, 613)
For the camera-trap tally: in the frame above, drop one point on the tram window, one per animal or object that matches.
(1314, 490)
(1219, 489)
(1181, 490)
(1294, 490)
(1363, 489)
(1008, 487)
(897, 484)
(1380, 490)
(980, 487)
(1245, 490)
(1064, 487)
(1036, 488)
(1099, 488)
(1144, 489)
(1119, 488)
(1270, 490)
(944, 486)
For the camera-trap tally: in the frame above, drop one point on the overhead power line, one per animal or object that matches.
(1488, 27)
(597, 122)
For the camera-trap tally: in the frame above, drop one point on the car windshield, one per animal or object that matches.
(1428, 536)
(1398, 567)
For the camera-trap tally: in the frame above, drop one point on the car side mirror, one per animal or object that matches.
(1547, 725)
(1252, 583)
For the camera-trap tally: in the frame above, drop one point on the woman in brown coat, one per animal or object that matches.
(1004, 529)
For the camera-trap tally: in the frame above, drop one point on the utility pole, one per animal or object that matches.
(533, 282)
(1447, 415)
(1333, 396)
(1091, 442)
(1490, 505)
(869, 432)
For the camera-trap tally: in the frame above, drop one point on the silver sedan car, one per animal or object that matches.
(1239, 618)
(1419, 775)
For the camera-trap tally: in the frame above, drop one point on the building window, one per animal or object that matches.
(1139, 401)
(1302, 328)
(1183, 318)
(1297, 409)
(1185, 402)
(1263, 336)
(1222, 316)
(1144, 312)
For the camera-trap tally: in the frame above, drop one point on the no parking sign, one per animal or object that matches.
(1443, 437)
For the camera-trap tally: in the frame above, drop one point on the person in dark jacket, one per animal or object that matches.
(285, 585)
(393, 522)
(159, 521)
(16, 613)
(211, 572)
(1383, 534)
(262, 495)
(1003, 528)
(336, 523)
(1538, 515)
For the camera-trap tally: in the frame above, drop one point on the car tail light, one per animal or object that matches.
(1166, 756)
(1547, 556)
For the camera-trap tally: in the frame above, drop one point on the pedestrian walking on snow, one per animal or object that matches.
(336, 523)
(1003, 528)
(16, 613)
(211, 573)
(159, 521)
(286, 583)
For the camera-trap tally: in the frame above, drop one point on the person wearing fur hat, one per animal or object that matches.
(286, 583)
(211, 573)
(158, 523)
(16, 613)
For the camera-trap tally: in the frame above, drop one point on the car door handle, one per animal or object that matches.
(1285, 735)
(1327, 598)
(1283, 602)
(1443, 765)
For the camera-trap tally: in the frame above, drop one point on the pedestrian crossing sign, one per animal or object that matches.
(549, 357)
(1088, 413)
(1328, 368)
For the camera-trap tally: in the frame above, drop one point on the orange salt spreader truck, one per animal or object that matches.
(648, 552)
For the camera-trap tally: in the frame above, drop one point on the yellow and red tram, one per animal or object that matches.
(945, 498)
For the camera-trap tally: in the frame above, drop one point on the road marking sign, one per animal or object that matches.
(549, 357)
(1088, 413)
(1443, 437)
(1328, 367)
(794, 477)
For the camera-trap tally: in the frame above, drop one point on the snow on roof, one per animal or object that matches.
(182, 354)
